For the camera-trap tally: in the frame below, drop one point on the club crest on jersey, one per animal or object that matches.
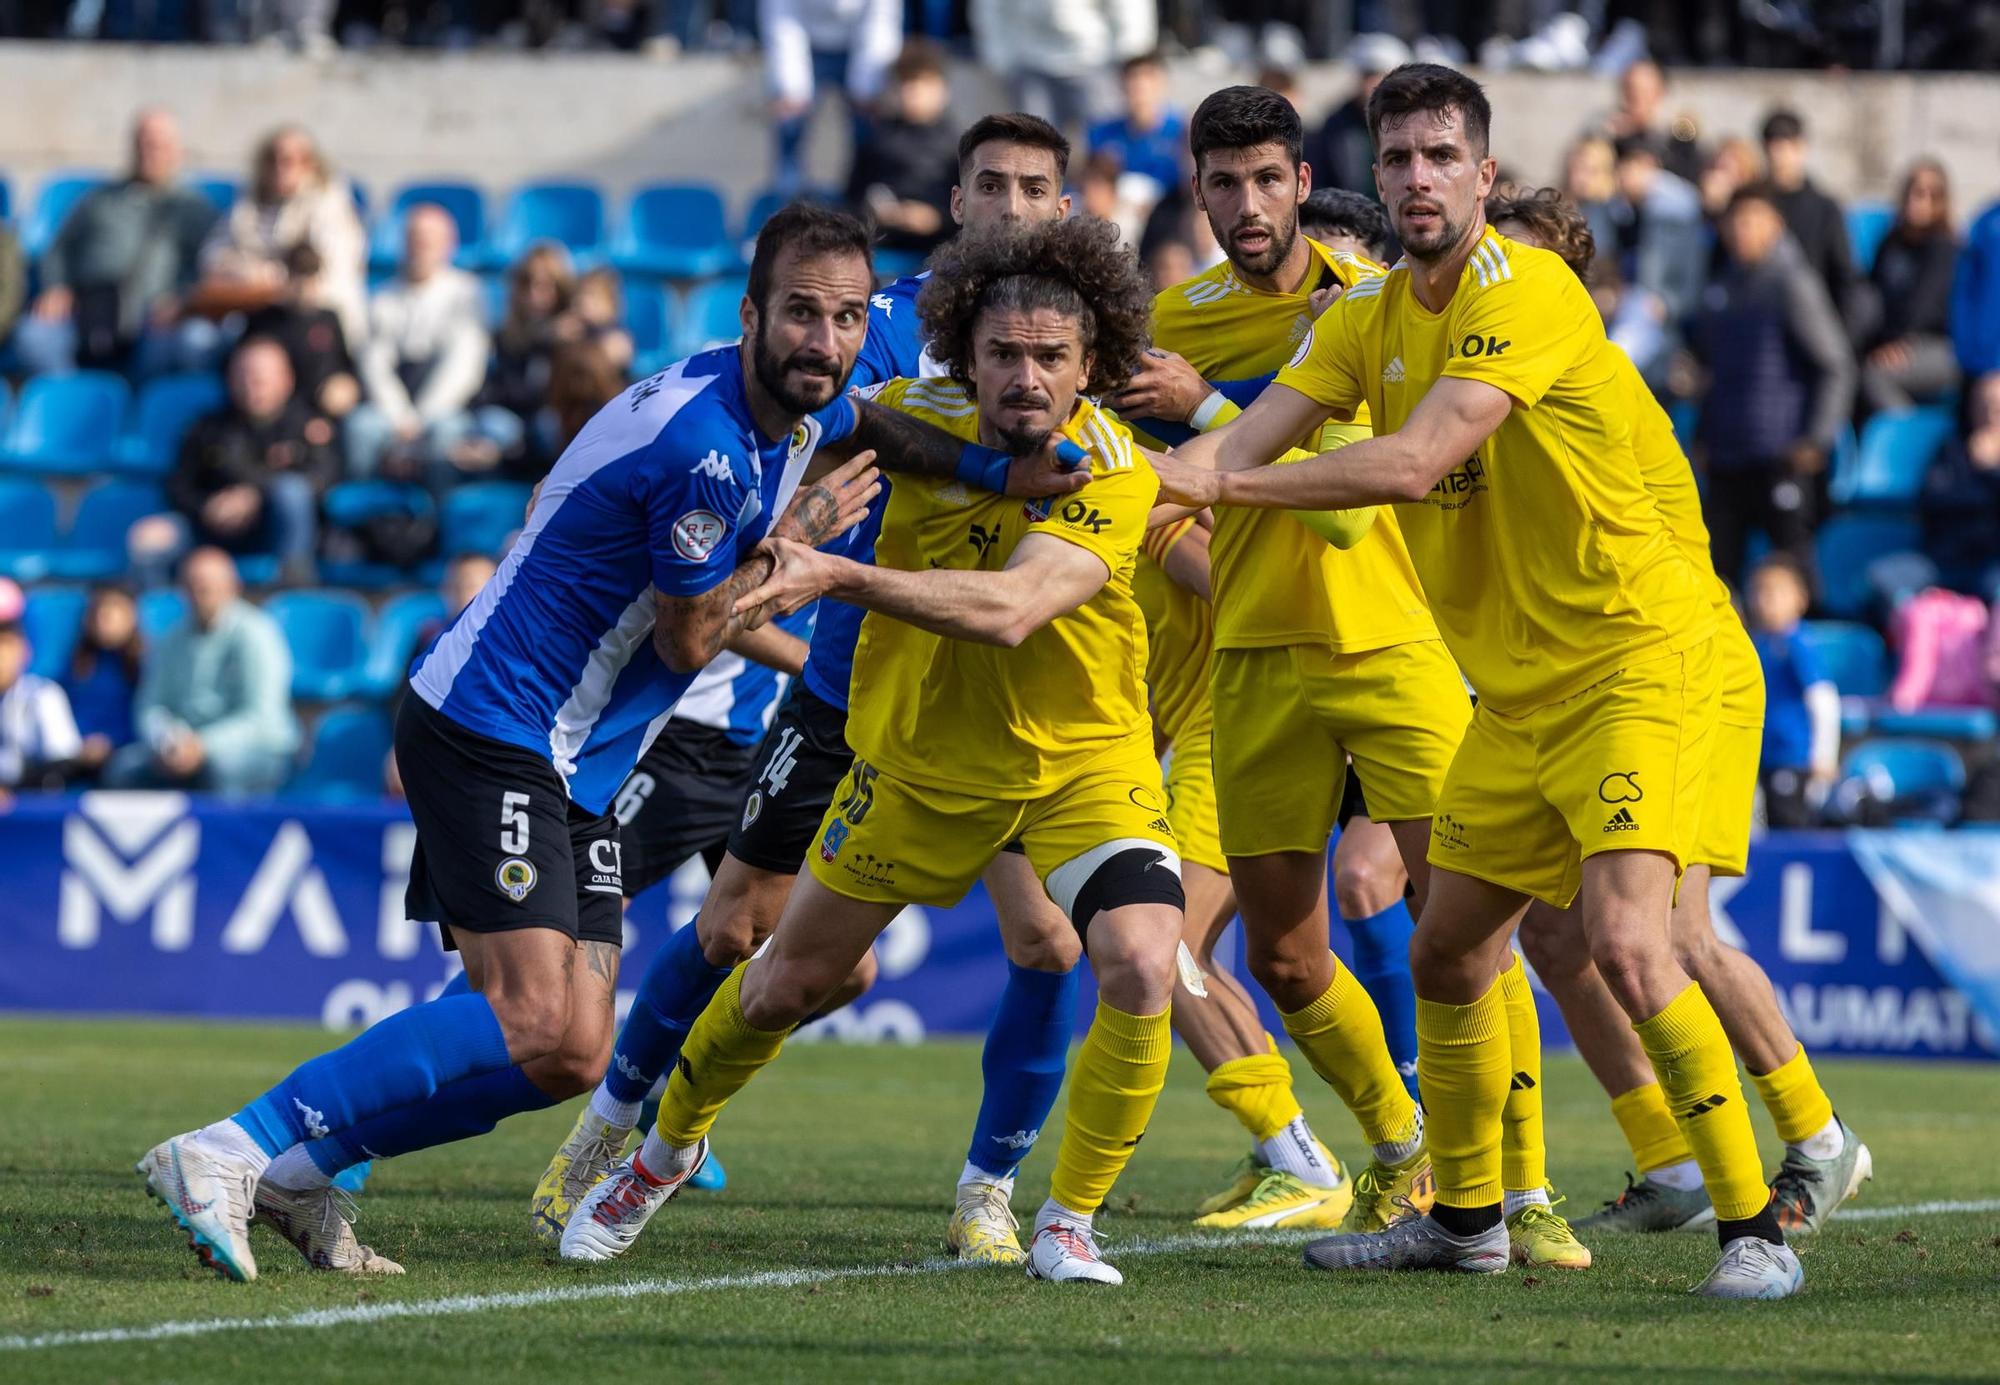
(752, 806)
(1037, 510)
(696, 534)
(1305, 349)
(515, 877)
(835, 838)
(800, 437)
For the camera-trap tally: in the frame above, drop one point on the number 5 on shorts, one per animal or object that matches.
(862, 796)
(513, 823)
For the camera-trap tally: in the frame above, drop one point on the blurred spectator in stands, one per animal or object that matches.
(112, 277)
(1904, 325)
(249, 476)
(424, 361)
(906, 164)
(1057, 56)
(214, 709)
(293, 199)
(1814, 219)
(1961, 497)
(13, 280)
(1733, 165)
(597, 315)
(312, 336)
(1781, 386)
(1975, 297)
(103, 674)
(464, 577)
(1342, 154)
(1661, 244)
(844, 44)
(1940, 640)
(1801, 755)
(583, 378)
(38, 739)
(1149, 137)
(1107, 192)
(539, 287)
(1590, 181)
(1641, 113)
(1169, 261)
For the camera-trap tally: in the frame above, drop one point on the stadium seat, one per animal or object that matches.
(1943, 723)
(767, 202)
(466, 203)
(1868, 226)
(712, 316)
(480, 517)
(28, 537)
(650, 318)
(1895, 451)
(493, 299)
(393, 639)
(160, 611)
(571, 214)
(350, 505)
(1909, 765)
(166, 408)
(220, 189)
(66, 423)
(1847, 543)
(328, 635)
(6, 198)
(349, 748)
(1686, 416)
(53, 200)
(53, 620)
(1853, 655)
(95, 547)
(674, 231)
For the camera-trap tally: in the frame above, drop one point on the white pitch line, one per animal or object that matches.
(365, 1314)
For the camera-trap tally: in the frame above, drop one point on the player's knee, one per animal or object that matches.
(728, 937)
(1697, 949)
(779, 997)
(1293, 977)
(1630, 967)
(857, 984)
(1363, 887)
(535, 1020)
(1554, 954)
(1044, 949)
(575, 1067)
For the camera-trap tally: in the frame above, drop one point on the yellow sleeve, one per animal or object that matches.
(1327, 365)
(1107, 517)
(1521, 333)
(1341, 528)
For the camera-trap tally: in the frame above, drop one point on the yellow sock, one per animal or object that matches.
(1462, 1066)
(1524, 1156)
(1697, 1071)
(1341, 1036)
(1257, 1091)
(1649, 1128)
(721, 1054)
(1119, 1074)
(1799, 1106)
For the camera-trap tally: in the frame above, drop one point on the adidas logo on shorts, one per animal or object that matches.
(1621, 821)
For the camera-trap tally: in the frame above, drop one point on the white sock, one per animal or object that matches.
(1684, 1176)
(1824, 1143)
(1512, 1202)
(227, 1137)
(973, 1174)
(1294, 1150)
(609, 1109)
(1401, 1151)
(1053, 1212)
(294, 1169)
(663, 1161)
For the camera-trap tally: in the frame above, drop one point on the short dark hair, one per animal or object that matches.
(1336, 211)
(1752, 192)
(1433, 89)
(809, 231)
(1243, 118)
(1014, 127)
(919, 58)
(1554, 219)
(1153, 57)
(1640, 145)
(1078, 267)
(1783, 124)
(1787, 563)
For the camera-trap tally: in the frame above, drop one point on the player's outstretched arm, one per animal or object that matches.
(771, 646)
(1046, 577)
(1261, 434)
(913, 447)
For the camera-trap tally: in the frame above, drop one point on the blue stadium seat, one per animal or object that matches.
(221, 190)
(466, 203)
(167, 407)
(767, 202)
(328, 635)
(1910, 766)
(352, 504)
(480, 517)
(650, 318)
(6, 404)
(28, 537)
(394, 636)
(674, 231)
(712, 315)
(1853, 656)
(6, 198)
(349, 748)
(66, 423)
(1686, 416)
(571, 214)
(95, 546)
(53, 200)
(493, 299)
(1868, 225)
(53, 620)
(160, 611)
(1943, 723)
(1847, 543)
(1896, 450)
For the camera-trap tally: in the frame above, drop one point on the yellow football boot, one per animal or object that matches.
(1382, 1190)
(1243, 1181)
(1284, 1199)
(593, 1146)
(1539, 1238)
(983, 1226)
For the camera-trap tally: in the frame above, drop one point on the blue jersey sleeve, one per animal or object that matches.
(696, 503)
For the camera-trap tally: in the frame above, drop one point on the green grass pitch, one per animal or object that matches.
(817, 1264)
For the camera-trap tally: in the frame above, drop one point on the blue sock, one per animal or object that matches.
(396, 1063)
(1382, 965)
(672, 994)
(456, 1111)
(1027, 1049)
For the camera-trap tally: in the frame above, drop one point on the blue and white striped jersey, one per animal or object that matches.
(670, 485)
(739, 696)
(894, 349)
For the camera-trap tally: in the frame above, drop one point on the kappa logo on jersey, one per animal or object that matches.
(1621, 821)
(515, 877)
(1019, 1140)
(315, 1121)
(885, 303)
(1620, 787)
(696, 534)
(715, 466)
(833, 841)
(1393, 373)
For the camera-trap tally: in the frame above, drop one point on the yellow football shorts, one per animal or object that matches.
(1190, 774)
(889, 841)
(1723, 844)
(1621, 766)
(1287, 718)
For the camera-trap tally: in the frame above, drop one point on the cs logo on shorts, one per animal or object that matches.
(515, 877)
(696, 534)
(833, 841)
(752, 806)
(1622, 787)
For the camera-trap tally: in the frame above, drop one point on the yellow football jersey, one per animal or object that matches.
(977, 718)
(1180, 632)
(1546, 559)
(1277, 583)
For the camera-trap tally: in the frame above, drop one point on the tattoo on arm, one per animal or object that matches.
(602, 959)
(689, 631)
(811, 518)
(903, 443)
